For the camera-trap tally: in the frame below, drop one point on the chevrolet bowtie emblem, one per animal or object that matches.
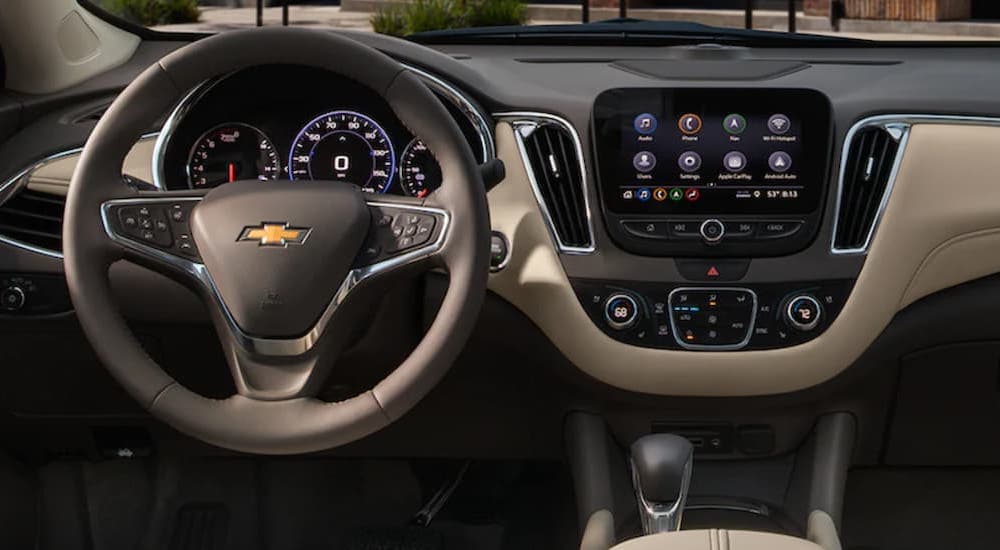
(274, 234)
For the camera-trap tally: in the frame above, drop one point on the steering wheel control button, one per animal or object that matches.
(722, 269)
(646, 229)
(155, 224)
(804, 312)
(395, 231)
(778, 229)
(499, 251)
(712, 318)
(712, 230)
(178, 213)
(621, 311)
(735, 124)
(12, 298)
(689, 124)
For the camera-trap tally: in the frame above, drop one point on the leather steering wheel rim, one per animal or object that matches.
(296, 423)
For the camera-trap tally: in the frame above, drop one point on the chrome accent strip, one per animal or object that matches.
(276, 346)
(188, 101)
(755, 509)
(19, 180)
(899, 127)
(658, 517)
(710, 347)
(525, 123)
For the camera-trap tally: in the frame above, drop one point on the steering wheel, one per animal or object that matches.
(285, 269)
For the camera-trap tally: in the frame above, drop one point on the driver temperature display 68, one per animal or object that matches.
(344, 146)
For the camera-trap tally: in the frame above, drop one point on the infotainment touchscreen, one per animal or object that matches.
(712, 151)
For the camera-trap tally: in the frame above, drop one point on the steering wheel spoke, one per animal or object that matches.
(402, 235)
(155, 231)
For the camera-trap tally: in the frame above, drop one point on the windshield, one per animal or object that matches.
(704, 20)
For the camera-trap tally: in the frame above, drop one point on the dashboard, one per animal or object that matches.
(300, 124)
(643, 186)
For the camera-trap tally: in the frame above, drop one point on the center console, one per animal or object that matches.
(712, 178)
(712, 172)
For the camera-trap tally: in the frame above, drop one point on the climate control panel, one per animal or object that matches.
(712, 318)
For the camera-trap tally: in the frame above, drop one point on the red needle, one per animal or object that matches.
(232, 172)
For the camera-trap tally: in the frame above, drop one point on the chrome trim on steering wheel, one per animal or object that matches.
(276, 346)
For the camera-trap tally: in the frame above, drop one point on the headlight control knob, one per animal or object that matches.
(12, 298)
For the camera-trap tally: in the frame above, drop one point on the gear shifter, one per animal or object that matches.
(661, 474)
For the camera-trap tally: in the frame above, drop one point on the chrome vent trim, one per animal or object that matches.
(19, 182)
(526, 123)
(899, 128)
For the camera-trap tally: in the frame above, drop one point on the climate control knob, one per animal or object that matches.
(621, 311)
(803, 312)
(12, 298)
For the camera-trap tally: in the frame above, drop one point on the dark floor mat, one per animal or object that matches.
(200, 527)
(921, 508)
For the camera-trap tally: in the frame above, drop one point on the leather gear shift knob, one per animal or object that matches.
(661, 473)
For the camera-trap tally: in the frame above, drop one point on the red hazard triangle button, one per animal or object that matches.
(719, 269)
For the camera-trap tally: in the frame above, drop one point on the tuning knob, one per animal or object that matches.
(621, 311)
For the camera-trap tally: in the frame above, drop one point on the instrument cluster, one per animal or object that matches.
(297, 123)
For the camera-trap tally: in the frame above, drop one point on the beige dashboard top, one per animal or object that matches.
(941, 227)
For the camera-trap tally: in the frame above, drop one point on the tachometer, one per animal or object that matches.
(419, 172)
(231, 152)
(344, 146)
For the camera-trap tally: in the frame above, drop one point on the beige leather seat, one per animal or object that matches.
(716, 539)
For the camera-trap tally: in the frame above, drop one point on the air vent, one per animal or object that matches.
(552, 152)
(33, 218)
(867, 176)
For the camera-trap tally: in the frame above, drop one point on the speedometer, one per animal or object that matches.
(344, 146)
